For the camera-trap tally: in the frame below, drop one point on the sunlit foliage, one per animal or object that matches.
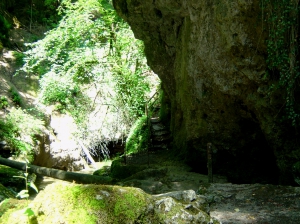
(92, 67)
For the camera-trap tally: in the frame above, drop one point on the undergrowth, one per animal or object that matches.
(18, 130)
(282, 19)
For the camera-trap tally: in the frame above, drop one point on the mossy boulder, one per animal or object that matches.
(119, 170)
(9, 206)
(73, 203)
(104, 171)
(138, 137)
(149, 173)
(88, 204)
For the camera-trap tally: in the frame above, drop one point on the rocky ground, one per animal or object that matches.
(264, 204)
(228, 203)
(166, 177)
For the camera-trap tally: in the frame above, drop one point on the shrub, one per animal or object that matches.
(57, 89)
(18, 130)
(4, 30)
(3, 102)
(19, 58)
(15, 96)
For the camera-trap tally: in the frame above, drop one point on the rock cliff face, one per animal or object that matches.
(210, 56)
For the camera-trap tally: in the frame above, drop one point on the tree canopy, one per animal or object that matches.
(91, 66)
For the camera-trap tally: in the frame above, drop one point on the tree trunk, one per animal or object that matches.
(58, 174)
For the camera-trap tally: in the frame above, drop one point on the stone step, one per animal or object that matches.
(161, 132)
(154, 120)
(161, 138)
(158, 147)
(158, 127)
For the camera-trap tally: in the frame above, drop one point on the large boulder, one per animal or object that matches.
(57, 148)
(211, 58)
(74, 203)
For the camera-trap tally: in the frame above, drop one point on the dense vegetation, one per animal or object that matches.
(90, 66)
(282, 20)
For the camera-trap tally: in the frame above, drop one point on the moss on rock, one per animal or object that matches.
(73, 203)
(122, 171)
(12, 211)
(104, 171)
(138, 137)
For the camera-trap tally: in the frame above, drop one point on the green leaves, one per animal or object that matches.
(32, 185)
(4, 30)
(29, 181)
(28, 211)
(92, 67)
(23, 194)
(15, 129)
(3, 102)
(283, 46)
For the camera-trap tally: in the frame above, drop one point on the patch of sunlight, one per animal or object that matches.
(236, 214)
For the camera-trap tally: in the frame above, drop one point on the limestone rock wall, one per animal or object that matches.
(57, 148)
(210, 56)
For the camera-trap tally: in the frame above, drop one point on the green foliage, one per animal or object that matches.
(3, 102)
(1, 46)
(18, 130)
(19, 58)
(282, 44)
(29, 182)
(50, 18)
(91, 49)
(81, 30)
(129, 72)
(9, 133)
(96, 44)
(138, 137)
(57, 89)
(296, 172)
(15, 96)
(4, 30)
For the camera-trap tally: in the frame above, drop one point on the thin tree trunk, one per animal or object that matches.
(58, 174)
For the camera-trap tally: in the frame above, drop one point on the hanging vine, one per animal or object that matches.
(282, 19)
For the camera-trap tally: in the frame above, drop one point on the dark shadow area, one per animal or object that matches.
(249, 160)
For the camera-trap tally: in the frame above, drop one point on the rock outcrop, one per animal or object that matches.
(211, 58)
(56, 148)
(73, 203)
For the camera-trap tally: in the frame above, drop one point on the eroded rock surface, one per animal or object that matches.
(57, 148)
(73, 203)
(210, 56)
(240, 204)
